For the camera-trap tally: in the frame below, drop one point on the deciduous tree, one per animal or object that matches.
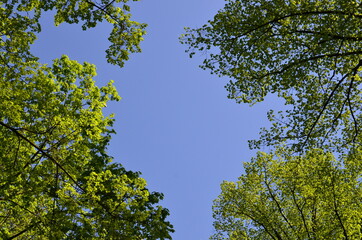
(305, 51)
(281, 196)
(57, 180)
(308, 53)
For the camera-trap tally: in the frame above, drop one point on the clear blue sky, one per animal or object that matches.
(174, 123)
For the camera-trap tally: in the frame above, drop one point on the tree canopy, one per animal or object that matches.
(281, 196)
(309, 54)
(20, 23)
(57, 180)
(305, 51)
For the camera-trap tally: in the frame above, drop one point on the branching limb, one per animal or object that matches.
(324, 108)
(350, 104)
(280, 210)
(300, 210)
(335, 206)
(43, 152)
(24, 231)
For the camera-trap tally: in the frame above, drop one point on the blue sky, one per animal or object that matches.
(174, 123)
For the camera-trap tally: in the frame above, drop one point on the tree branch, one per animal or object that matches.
(24, 231)
(277, 203)
(300, 210)
(43, 152)
(350, 104)
(275, 20)
(324, 108)
(336, 211)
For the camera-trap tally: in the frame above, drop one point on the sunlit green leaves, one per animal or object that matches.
(290, 197)
(308, 53)
(57, 180)
(55, 169)
(125, 37)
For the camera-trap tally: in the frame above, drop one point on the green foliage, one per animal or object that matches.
(280, 196)
(57, 180)
(306, 51)
(21, 18)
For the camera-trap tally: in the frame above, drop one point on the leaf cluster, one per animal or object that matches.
(306, 52)
(281, 196)
(309, 54)
(125, 37)
(57, 180)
